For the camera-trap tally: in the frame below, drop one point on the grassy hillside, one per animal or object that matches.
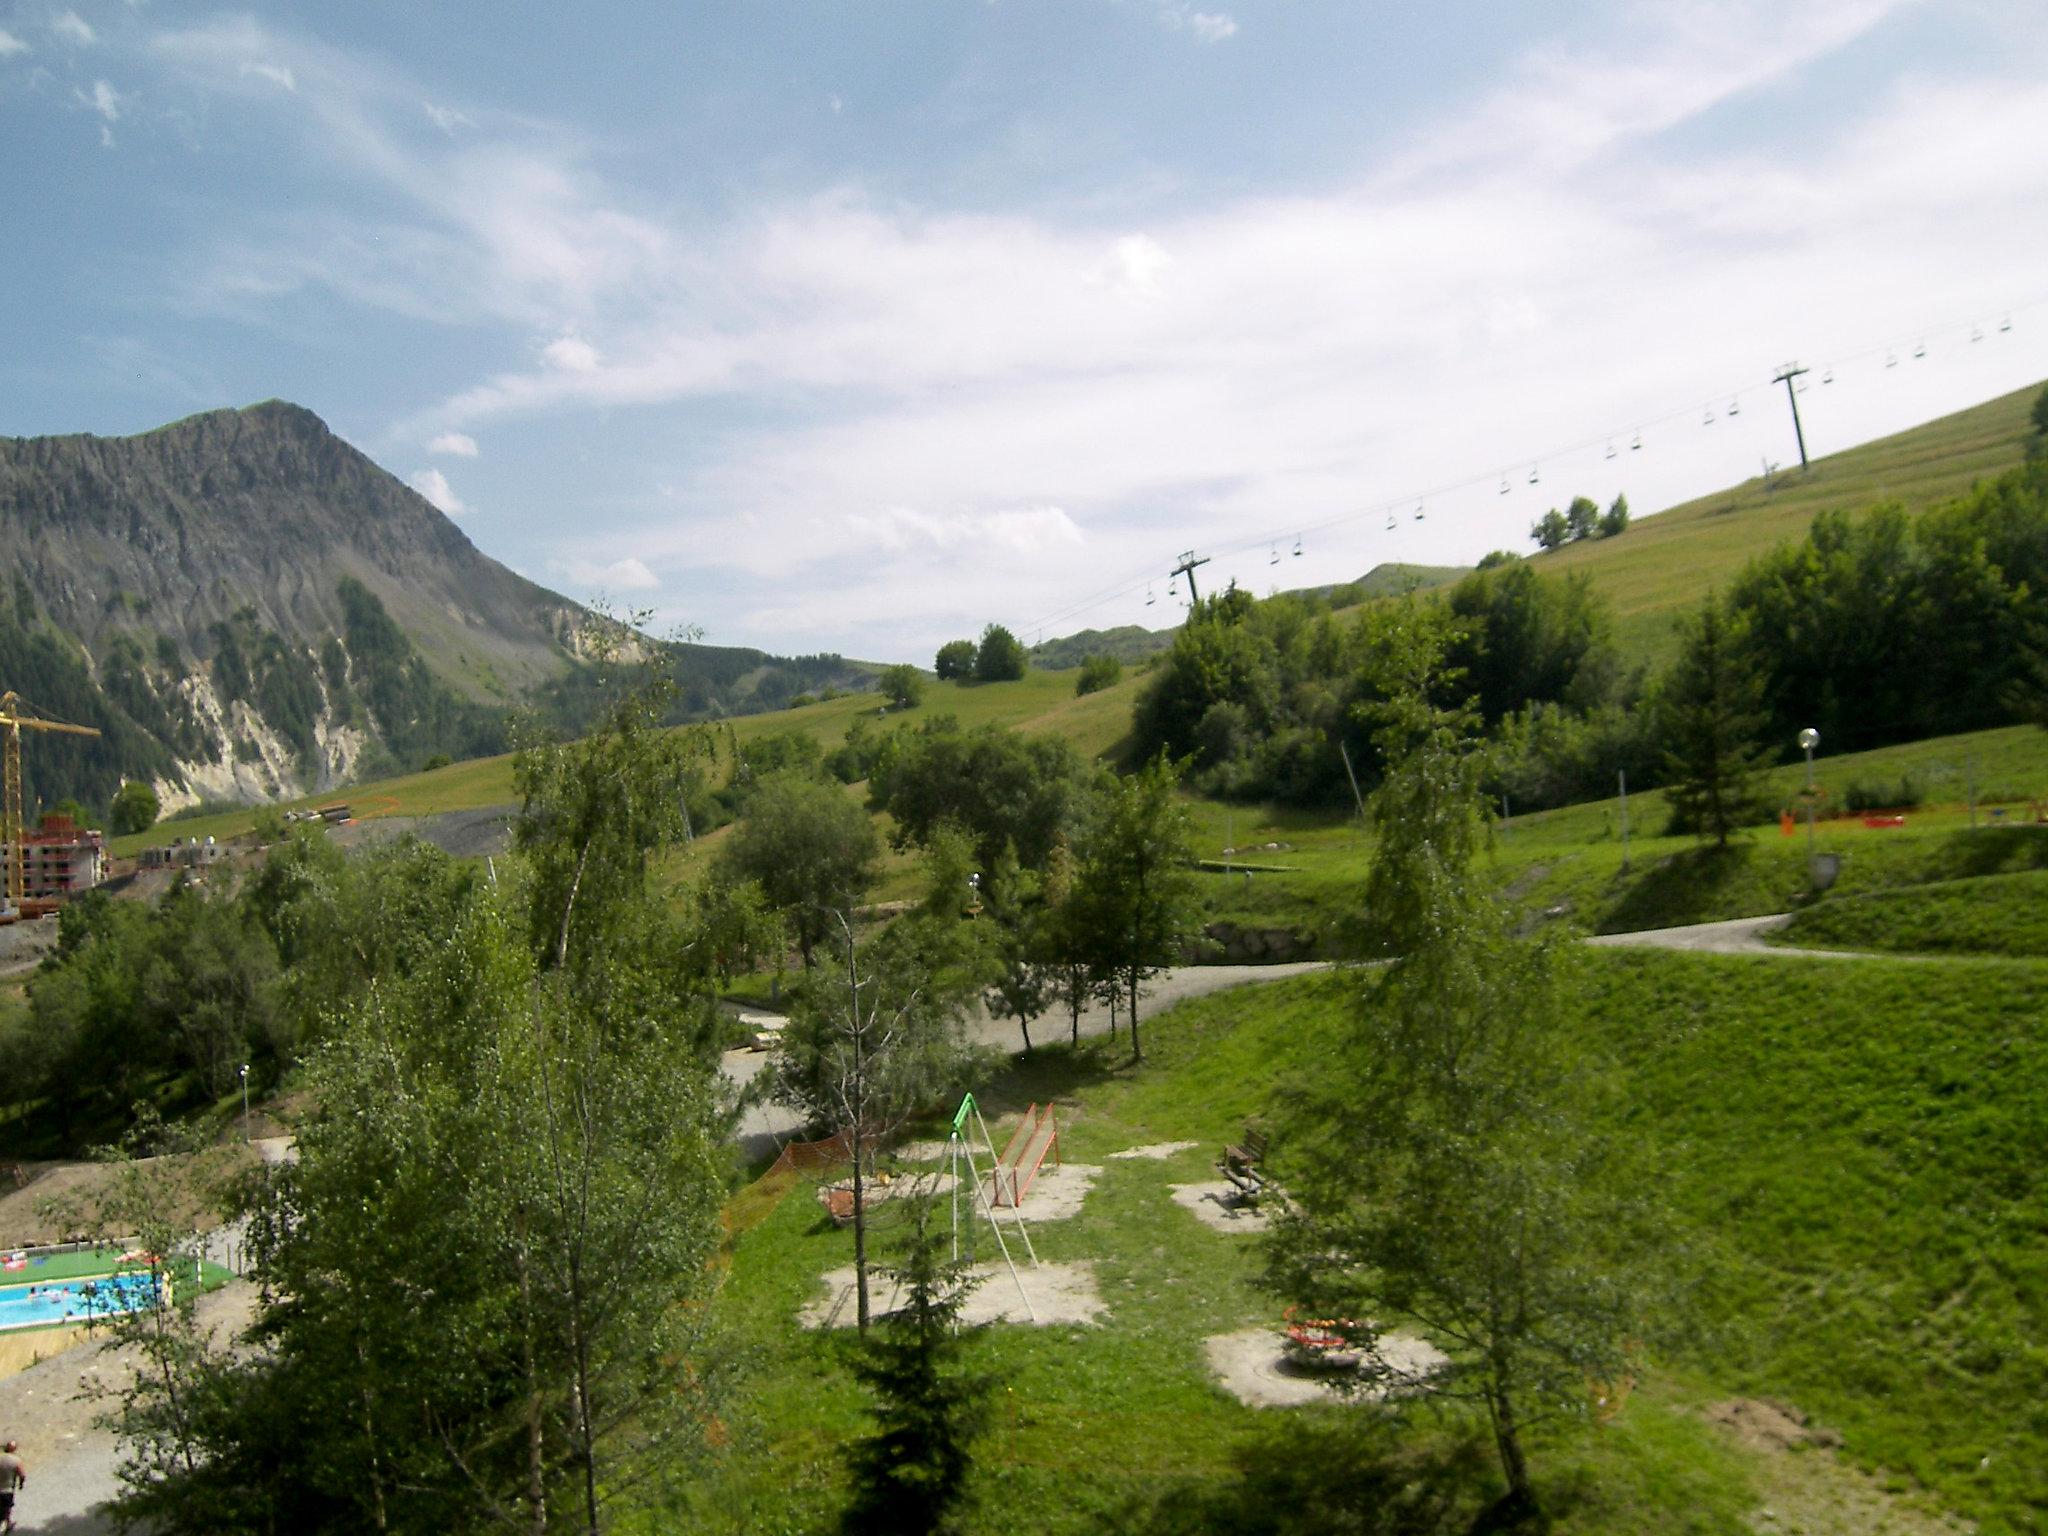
(1847, 1151)
(1989, 915)
(1665, 563)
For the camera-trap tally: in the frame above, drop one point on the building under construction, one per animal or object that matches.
(60, 859)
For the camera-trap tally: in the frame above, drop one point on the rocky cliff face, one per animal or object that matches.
(173, 531)
(248, 608)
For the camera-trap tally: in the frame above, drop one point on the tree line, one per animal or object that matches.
(1874, 629)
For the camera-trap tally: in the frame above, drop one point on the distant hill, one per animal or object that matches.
(248, 607)
(1665, 563)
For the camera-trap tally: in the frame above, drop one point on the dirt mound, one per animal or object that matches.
(1759, 1422)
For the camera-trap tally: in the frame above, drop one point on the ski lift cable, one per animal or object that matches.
(1387, 506)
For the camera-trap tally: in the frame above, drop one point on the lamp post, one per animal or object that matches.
(1808, 740)
(245, 1101)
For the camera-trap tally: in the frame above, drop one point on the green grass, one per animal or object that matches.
(1665, 564)
(1850, 1150)
(1989, 915)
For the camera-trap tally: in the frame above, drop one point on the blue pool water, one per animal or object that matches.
(73, 1300)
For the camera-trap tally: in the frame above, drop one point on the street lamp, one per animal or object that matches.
(245, 1101)
(1808, 740)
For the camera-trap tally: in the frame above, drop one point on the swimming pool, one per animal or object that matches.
(73, 1300)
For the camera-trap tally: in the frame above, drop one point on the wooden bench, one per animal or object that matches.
(1244, 1163)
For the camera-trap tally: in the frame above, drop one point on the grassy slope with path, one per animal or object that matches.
(1986, 915)
(1851, 1153)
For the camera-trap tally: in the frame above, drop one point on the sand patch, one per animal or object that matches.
(1158, 1151)
(1056, 1193)
(1060, 1293)
(1220, 1205)
(1253, 1365)
(922, 1152)
(1806, 1487)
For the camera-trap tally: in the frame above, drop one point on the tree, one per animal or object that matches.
(2040, 412)
(1098, 673)
(1134, 888)
(483, 1279)
(1003, 789)
(902, 686)
(1614, 521)
(1582, 517)
(1000, 658)
(870, 1043)
(955, 661)
(1711, 712)
(134, 809)
(1439, 1168)
(811, 850)
(910, 1476)
(1552, 530)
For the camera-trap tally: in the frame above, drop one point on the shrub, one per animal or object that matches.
(1097, 673)
(1863, 795)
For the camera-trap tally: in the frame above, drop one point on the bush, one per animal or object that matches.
(1097, 673)
(134, 809)
(902, 685)
(955, 661)
(1862, 795)
(438, 760)
(1001, 657)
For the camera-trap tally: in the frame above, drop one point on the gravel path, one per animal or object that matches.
(765, 1126)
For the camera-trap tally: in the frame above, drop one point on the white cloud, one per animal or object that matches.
(458, 444)
(447, 119)
(433, 485)
(73, 28)
(1207, 26)
(102, 98)
(10, 45)
(629, 574)
(571, 354)
(1135, 265)
(1017, 531)
(276, 74)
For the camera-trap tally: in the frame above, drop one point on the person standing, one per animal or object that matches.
(12, 1476)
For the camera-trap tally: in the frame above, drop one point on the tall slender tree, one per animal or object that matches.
(1711, 716)
(1440, 1173)
(1134, 889)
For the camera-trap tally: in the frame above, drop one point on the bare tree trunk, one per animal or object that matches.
(1507, 1439)
(1136, 1053)
(536, 1481)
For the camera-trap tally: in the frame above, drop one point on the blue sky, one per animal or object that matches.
(855, 325)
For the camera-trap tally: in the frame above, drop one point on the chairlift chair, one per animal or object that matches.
(1297, 546)
(1828, 377)
(1635, 446)
(1706, 416)
(1610, 448)
(1391, 521)
(2005, 324)
(1273, 558)
(1919, 349)
(1533, 477)
(1149, 598)
(1735, 407)
(1503, 485)
(1418, 511)
(1976, 333)
(1891, 359)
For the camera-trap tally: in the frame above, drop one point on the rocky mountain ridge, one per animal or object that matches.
(250, 608)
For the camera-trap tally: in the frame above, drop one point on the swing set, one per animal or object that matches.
(1007, 1181)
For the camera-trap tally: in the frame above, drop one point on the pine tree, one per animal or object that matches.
(1713, 715)
(910, 1476)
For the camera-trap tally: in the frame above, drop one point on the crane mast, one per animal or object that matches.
(11, 722)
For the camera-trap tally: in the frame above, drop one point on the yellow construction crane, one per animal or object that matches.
(11, 722)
